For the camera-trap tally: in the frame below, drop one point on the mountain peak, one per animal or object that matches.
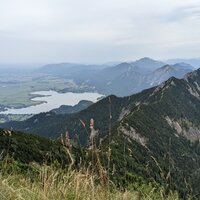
(146, 59)
(184, 66)
(148, 64)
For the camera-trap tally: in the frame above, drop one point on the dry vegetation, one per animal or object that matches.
(50, 183)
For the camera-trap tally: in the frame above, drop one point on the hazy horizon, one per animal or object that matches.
(36, 65)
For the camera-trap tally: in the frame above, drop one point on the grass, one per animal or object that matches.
(44, 182)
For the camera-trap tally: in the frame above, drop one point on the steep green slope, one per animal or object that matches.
(31, 148)
(144, 144)
(161, 136)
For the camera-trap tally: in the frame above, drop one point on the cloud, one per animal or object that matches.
(97, 31)
(182, 13)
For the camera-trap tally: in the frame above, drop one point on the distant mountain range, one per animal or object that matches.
(122, 79)
(192, 61)
(154, 133)
(129, 78)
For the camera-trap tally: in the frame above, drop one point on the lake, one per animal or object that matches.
(53, 100)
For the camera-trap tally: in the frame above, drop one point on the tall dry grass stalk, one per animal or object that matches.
(65, 141)
(56, 184)
(95, 152)
(109, 141)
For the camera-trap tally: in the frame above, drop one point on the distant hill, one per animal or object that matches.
(178, 70)
(69, 70)
(64, 109)
(183, 66)
(147, 64)
(193, 61)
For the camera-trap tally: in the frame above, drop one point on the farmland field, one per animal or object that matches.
(16, 91)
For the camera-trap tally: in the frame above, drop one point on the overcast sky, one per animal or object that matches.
(97, 31)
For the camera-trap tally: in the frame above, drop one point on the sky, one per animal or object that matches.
(98, 31)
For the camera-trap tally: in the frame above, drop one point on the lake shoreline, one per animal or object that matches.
(45, 101)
